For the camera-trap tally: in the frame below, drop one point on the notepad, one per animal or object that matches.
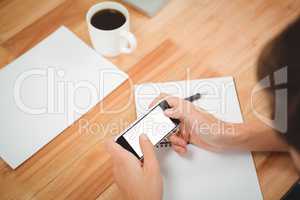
(150, 8)
(202, 174)
(47, 89)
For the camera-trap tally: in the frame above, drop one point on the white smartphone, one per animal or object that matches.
(154, 124)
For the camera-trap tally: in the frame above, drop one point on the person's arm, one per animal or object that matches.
(136, 180)
(256, 136)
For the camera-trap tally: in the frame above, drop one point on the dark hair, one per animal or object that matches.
(284, 52)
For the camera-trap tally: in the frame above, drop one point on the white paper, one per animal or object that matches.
(202, 174)
(47, 89)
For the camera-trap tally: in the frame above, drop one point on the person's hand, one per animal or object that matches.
(137, 181)
(196, 126)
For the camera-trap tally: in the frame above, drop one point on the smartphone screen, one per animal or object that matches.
(154, 124)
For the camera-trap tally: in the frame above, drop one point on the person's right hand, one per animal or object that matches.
(196, 126)
(136, 180)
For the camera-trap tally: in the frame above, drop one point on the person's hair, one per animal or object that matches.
(284, 51)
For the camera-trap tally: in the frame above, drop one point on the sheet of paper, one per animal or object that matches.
(47, 89)
(202, 174)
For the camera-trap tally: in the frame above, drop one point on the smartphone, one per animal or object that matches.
(154, 124)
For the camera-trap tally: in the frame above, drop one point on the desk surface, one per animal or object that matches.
(192, 38)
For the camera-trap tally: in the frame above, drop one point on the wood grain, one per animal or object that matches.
(186, 40)
(6, 57)
(17, 14)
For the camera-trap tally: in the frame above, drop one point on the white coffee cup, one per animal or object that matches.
(111, 43)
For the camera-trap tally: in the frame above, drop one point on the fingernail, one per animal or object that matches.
(144, 137)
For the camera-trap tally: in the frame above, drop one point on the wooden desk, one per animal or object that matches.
(190, 38)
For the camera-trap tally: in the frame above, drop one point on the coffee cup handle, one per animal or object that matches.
(132, 43)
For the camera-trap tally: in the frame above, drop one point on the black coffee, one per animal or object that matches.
(108, 19)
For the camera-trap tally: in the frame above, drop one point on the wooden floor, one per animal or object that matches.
(195, 38)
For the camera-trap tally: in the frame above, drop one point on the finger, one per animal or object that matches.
(110, 146)
(179, 149)
(150, 161)
(118, 153)
(157, 99)
(174, 102)
(183, 134)
(176, 140)
(117, 173)
(174, 113)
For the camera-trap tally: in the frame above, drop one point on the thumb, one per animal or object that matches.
(150, 161)
(173, 113)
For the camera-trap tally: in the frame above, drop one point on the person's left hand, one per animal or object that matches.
(137, 181)
(196, 127)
